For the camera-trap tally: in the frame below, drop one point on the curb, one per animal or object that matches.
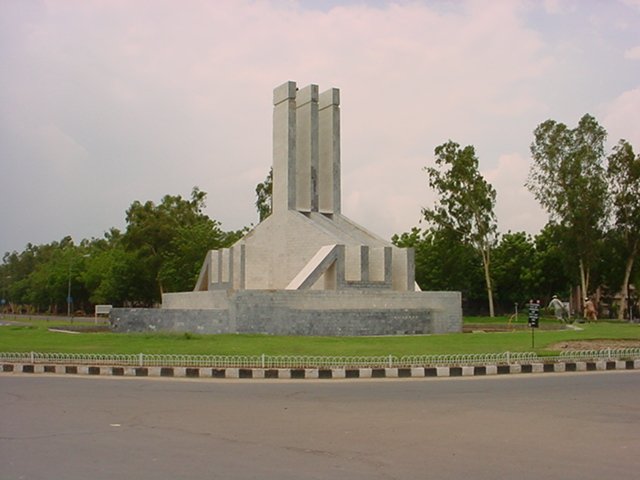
(320, 373)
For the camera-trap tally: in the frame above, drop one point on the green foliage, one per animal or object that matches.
(623, 175)
(465, 203)
(264, 195)
(567, 178)
(167, 243)
(444, 262)
(551, 266)
(162, 249)
(513, 260)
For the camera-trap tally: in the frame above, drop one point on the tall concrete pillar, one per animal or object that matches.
(284, 147)
(307, 149)
(329, 200)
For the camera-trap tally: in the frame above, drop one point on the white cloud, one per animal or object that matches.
(633, 53)
(516, 208)
(557, 7)
(622, 118)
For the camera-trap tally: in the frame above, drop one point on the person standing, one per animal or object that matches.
(590, 310)
(559, 309)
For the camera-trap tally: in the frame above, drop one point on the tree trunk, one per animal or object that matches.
(625, 283)
(487, 279)
(583, 284)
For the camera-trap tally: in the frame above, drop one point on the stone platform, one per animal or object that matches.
(298, 312)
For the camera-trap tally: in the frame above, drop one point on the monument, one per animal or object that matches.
(306, 269)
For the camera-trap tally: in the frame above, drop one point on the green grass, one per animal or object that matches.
(35, 336)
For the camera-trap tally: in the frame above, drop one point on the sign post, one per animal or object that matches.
(534, 319)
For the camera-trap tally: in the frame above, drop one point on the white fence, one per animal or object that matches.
(291, 361)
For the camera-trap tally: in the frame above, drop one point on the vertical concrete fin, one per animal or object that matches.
(284, 147)
(364, 263)
(307, 149)
(329, 195)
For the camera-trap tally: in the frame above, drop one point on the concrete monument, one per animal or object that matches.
(306, 269)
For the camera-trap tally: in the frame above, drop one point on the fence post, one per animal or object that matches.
(508, 358)
(262, 360)
(32, 357)
(390, 361)
(141, 359)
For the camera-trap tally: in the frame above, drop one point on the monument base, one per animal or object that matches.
(298, 312)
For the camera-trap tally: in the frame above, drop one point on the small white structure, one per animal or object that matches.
(101, 310)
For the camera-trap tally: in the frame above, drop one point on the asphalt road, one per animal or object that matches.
(552, 426)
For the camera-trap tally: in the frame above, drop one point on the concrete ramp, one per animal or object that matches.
(317, 266)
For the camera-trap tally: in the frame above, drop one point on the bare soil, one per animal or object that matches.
(594, 344)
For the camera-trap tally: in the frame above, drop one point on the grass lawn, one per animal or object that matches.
(35, 336)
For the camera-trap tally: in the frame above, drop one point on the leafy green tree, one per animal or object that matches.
(444, 262)
(110, 271)
(552, 264)
(567, 178)
(151, 229)
(623, 175)
(513, 259)
(465, 203)
(264, 194)
(181, 264)
(166, 244)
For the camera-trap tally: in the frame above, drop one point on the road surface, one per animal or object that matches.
(551, 426)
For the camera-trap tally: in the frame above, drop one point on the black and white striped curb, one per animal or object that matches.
(322, 373)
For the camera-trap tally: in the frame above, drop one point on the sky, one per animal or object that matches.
(104, 102)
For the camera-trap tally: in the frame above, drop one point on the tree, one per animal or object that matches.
(513, 269)
(110, 271)
(166, 244)
(465, 204)
(623, 175)
(551, 266)
(150, 232)
(567, 178)
(264, 194)
(182, 262)
(444, 262)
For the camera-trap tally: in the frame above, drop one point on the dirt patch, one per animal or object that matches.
(82, 329)
(594, 344)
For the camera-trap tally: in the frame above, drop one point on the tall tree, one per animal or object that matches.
(465, 203)
(567, 178)
(159, 235)
(551, 265)
(444, 262)
(623, 174)
(512, 269)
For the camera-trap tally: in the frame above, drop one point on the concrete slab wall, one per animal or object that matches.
(352, 313)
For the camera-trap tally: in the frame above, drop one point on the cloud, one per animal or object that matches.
(632, 3)
(516, 208)
(633, 53)
(557, 7)
(622, 117)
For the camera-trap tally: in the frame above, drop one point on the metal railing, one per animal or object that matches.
(313, 361)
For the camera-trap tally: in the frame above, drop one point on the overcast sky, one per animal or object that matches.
(103, 102)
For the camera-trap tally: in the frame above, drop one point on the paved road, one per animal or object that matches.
(560, 426)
